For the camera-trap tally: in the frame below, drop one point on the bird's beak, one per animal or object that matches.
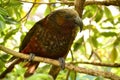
(78, 22)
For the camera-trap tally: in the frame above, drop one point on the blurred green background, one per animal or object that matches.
(100, 37)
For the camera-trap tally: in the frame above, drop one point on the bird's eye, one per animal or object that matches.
(67, 16)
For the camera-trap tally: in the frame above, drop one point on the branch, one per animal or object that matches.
(117, 65)
(27, 15)
(79, 6)
(26, 56)
(93, 52)
(107, 3)
(68, 66)
(71, 3)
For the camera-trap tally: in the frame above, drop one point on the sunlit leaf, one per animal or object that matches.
(4, 57)
(19, 70)
(108, 14)
(1, 65)
(113, 54)
(78, 44)
(2, 18)
(2, 25)
(72, 75)
(3, 12)
(94, 41)
(9, 34)
(99, 78)
(90, 11)
(88, 47)
(47, 11)
(99, 15)
(10, 20)
(40, 77)
(107, 34)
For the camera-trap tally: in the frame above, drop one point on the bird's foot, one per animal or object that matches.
(62, 62)
(31, 57)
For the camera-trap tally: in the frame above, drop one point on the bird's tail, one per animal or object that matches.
(31, 67)
(9, 69)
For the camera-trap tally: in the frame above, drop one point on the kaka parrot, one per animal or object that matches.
(51, 37)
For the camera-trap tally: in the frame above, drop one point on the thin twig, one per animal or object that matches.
(117, 65)
(72, 55)
(67, 76)
(107, 3)
(93, 72)
(97, 55)
(27, 15)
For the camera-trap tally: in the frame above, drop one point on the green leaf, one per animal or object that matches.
(99, 78)
(2, 18)
(19, 70)
(2, 65)
(88, 47)
(9, 34)
(113, 55)
(99, 15)
(72, 75)
(94, 41)
(78, 44)
(40, 77)
(47, 11)
(4, 57)
(90, 11)
(108, 14)
(52, 0)
(3, 11)
(108, 34)
(10, 20)
(2, 25)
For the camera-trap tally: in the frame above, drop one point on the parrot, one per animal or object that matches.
(50, 37)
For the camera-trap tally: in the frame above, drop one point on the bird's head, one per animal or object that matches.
(66, 18)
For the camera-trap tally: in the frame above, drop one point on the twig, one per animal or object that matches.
(94, 53)
(107, 3)
(72, 55)
(117, 65)
(68, 66)
(67, 76)
(50, 3)
(93, 72)
(27, 15)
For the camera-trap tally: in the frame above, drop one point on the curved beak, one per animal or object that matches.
(78, 22)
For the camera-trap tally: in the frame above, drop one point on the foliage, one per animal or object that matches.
(101, 35)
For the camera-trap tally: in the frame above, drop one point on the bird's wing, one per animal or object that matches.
(26, 39)
(29, 35)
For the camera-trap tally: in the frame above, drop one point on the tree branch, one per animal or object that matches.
(79, 6)
(117, 65)
(107, 3)
(71, 3)
(68, 66)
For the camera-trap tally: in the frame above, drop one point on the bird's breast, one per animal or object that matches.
(53, 44)
(50, 44)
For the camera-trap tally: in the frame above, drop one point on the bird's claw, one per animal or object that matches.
(62, 62)
(31, 57)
